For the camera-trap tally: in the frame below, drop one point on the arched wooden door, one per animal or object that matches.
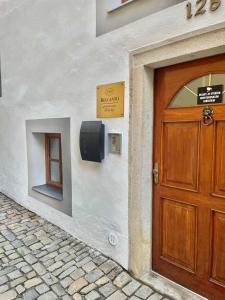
(189, 175)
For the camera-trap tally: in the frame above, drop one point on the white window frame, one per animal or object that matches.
(115, 4)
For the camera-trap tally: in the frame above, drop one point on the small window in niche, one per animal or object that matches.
(188, 94)
(53, 158)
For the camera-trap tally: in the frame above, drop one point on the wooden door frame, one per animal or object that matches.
(142, 65)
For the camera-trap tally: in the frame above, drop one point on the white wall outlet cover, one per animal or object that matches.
(114, 4)
(113, 239)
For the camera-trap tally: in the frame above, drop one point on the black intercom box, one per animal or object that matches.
(92, 141)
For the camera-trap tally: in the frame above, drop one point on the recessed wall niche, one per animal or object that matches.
(49, 169)
(112, 14)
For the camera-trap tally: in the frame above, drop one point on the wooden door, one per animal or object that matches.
(189, 199)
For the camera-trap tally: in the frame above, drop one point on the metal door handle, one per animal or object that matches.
(155, 172)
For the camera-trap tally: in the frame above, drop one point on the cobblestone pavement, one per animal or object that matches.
(40, 261)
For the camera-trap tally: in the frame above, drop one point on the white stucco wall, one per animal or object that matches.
(51, 63)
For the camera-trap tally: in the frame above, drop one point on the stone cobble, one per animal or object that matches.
(40, 261)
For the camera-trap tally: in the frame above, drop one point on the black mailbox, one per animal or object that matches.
(92, 141)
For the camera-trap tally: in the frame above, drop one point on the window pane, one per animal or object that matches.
(54, 148)
(188, 94)
(183, 98)
(199, 82)
(218, 79)
(54, 171)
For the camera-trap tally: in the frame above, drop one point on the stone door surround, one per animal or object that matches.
(142, 65)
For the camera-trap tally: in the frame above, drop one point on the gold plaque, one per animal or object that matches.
(110, 100)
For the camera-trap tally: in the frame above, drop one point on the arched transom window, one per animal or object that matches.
(207, 89)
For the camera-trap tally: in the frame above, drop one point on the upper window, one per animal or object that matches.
(208, 89)
(53, 156)
(114, 4)
(113, 14)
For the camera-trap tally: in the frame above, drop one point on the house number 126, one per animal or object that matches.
(201, 4)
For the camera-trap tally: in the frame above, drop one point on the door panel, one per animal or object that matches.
(219, 173)
(218, 245)
(188, 201)
(180, 148)
(179, 233)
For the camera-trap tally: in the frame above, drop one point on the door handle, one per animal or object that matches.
(155, 172)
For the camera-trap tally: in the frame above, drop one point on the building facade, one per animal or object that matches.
(169, 56)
